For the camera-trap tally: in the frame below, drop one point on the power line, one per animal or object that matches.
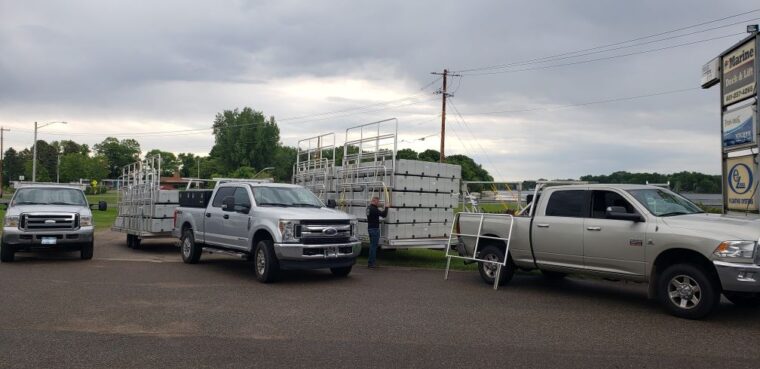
(596, 102)
(603, 58)
(500, 66)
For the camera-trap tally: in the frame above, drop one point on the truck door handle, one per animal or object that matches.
(594, 228)
(208, 215)
(226, 216)
(542, 225)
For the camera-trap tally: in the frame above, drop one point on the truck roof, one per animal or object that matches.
(40, 185)
(621, 186)
(254, 183)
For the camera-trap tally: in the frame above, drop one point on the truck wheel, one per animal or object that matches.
(341, 272)
(686, 291)
(488, 270)
(136, 242)
(7, 253)
(129, 241)
(745, 299)
(265, 262)
(191, 251)
(87, 251)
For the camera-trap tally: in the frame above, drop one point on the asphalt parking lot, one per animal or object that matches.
(141, 309)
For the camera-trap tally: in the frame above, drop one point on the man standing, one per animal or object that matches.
(373, 228)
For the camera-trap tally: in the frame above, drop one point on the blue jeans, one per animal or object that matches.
(374, 239)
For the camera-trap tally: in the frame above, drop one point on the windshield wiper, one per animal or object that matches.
(62, 203)
(672, 213)
(272, 204)
(30, 203)
(306, 204)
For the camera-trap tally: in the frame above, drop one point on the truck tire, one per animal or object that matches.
(744, 299)
(87, 251)
(488, 271)
(7, 253)
(191, 251)
(265, 262)
(136, 242)
(687, 291)
(341, 272)
(129, 241)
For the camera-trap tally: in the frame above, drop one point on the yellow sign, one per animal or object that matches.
(741, 183)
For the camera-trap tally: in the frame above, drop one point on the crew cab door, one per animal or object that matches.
(558, 228)
(214, 218)
(610, 245)
(239, 222)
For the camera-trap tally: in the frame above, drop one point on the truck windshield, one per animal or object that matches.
(49, 196)
(663, 203)
(285, 196)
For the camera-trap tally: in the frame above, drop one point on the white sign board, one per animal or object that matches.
(710, 73)
(740, 127)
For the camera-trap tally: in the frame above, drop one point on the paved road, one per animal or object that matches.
(141, 309)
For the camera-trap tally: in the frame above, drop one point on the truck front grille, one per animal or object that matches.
(49, 222)
(324, 232)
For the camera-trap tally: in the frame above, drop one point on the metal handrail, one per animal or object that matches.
(478, 236)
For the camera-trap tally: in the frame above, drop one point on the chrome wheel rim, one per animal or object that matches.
(490, 268)
(684, 292)
(261, 263)
(186, 246)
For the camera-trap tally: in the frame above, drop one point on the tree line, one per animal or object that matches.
(245, 143)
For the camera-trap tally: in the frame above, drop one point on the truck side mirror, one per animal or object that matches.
(331, 203)
(619, 213)
(102, 205)
(228, 204)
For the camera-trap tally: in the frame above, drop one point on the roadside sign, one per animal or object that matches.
(741, 183)
(739, 79)
(740, 127)
(710, 73)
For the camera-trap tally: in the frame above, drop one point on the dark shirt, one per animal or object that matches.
(373, 216)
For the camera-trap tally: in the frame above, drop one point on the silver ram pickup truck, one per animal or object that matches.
(277, 226)
(627, 232)
(48, 217)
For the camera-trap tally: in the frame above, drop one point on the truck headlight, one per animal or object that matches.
(85, 221)
(287, 230)
(736, 250)
(354, 229)
(11, 221)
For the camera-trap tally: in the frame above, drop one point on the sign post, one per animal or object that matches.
(737, 71)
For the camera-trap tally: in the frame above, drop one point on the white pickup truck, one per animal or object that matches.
(277, 226)
(626, 232)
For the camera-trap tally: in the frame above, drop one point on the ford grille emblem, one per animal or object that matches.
(330, 231)
(49, 221)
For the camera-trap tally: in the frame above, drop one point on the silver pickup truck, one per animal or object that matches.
(277, 226)
(627, 232)
(48, 217)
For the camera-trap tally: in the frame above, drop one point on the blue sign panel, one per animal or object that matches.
(739, 127)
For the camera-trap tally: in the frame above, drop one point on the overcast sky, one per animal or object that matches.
(128, 68)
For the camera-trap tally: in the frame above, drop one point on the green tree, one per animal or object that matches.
(243, 172)
(118, 153)
(13, 166)
(471, 171)
(244, 138)
(76, 166)
(408, 154)
(169, 161)
(285, 158)
(429, 155)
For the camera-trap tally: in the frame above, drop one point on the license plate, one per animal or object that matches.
(331, 251)
(49, 240)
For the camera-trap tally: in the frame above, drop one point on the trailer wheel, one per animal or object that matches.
(191, 251)
(488, 270)
(129, 241)
(87, 251)
(265, 262)
(136, 242)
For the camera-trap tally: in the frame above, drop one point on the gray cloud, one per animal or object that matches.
(146, 66)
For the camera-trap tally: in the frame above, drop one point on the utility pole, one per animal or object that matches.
(2, 152)
(34, 155)
(444, 96)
